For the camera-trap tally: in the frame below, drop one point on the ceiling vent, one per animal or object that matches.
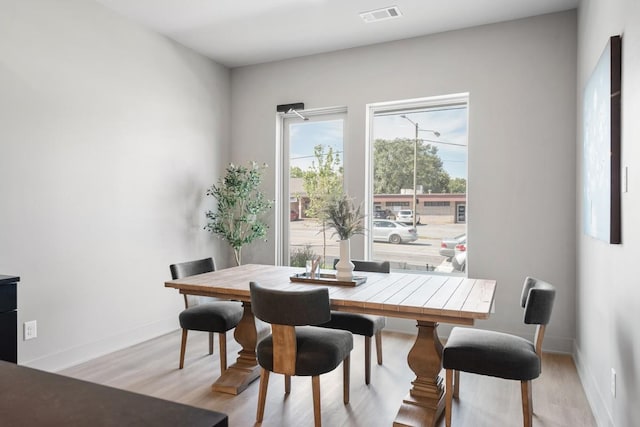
(381, 14)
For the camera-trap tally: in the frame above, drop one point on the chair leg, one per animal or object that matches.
(287, 384)
(183, 347)
(262, 394)
(315, 385)
(367, 360)
(210, 342)
(448, 397)
(456, 384)
(379, 346)
(527, 403)
(222, 338)
(346, 374)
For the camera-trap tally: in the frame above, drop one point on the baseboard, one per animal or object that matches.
(551, 343)
(81, 353)
(555, 344)
(594, 397)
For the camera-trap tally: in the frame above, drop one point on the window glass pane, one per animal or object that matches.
(315, 174)
(420, 165)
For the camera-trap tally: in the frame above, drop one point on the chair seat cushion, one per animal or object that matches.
(318, 350)
(359, 324)
(211, 317)
(491, 353)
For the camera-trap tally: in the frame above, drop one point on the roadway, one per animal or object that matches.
(422, 254)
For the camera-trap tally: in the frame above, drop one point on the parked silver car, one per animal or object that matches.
(459, 262)
(405, 216)
(448, 245)
(392, 231)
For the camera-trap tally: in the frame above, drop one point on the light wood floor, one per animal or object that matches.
(151, 368)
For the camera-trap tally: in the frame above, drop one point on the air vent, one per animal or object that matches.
(381, 14)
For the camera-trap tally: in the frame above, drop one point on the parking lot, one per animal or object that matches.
(419, 255)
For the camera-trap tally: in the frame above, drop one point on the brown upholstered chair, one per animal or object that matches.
(215, 316)
(501, 355)
(362, 324)
(294, 348)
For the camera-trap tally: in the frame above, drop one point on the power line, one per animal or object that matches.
(312, 156)
(442, 142)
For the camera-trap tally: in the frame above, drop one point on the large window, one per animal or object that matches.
(418, 153)
(312, 173)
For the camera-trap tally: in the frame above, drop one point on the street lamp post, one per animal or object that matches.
(415, 164)
(415, 176)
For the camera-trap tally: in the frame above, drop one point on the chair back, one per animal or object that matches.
(191, 268)
(537, 299)
(295, 308)
(370, 266)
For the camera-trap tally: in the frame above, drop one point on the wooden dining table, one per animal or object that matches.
(428, 299)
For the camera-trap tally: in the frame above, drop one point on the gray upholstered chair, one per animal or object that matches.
(501, 355)
(294, 348)
(216, 316)
(362, 324)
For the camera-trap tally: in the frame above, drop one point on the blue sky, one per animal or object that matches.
(303, 136)
(451, 123)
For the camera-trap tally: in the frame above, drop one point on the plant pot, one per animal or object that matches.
(344, 267)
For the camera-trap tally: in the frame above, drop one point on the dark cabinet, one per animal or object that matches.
(9, 318)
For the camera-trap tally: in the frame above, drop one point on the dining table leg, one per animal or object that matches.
(239, 375)
(425, 402)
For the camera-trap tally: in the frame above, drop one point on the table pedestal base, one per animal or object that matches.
(236, 378)
(425, 402)
(239, 375)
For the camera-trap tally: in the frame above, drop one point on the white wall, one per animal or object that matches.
(109, 136)
(521, 80)
(608, 288)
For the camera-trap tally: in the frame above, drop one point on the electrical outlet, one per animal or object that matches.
(30, 330)
(613, 382)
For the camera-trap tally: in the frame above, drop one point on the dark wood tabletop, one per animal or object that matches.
(29, 397)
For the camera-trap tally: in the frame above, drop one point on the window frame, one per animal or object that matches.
(400, 107)
(282, 233)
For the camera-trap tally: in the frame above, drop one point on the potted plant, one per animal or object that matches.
(241, 204)
(346, 220)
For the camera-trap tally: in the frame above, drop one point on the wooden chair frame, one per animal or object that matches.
(452, 377)
(196, 267)
(370, 266)
(222, 343)
(284, 362)
(452, 383)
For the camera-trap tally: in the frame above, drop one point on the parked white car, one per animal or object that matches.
(405, 216)
(393, 231)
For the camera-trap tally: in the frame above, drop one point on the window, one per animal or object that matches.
(418, 171)
(311, 171)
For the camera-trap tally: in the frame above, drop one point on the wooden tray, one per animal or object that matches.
(327, 279)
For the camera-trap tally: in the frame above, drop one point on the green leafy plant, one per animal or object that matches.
(299, 256)
(240, 207)
(322, 181)
(343, 217)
